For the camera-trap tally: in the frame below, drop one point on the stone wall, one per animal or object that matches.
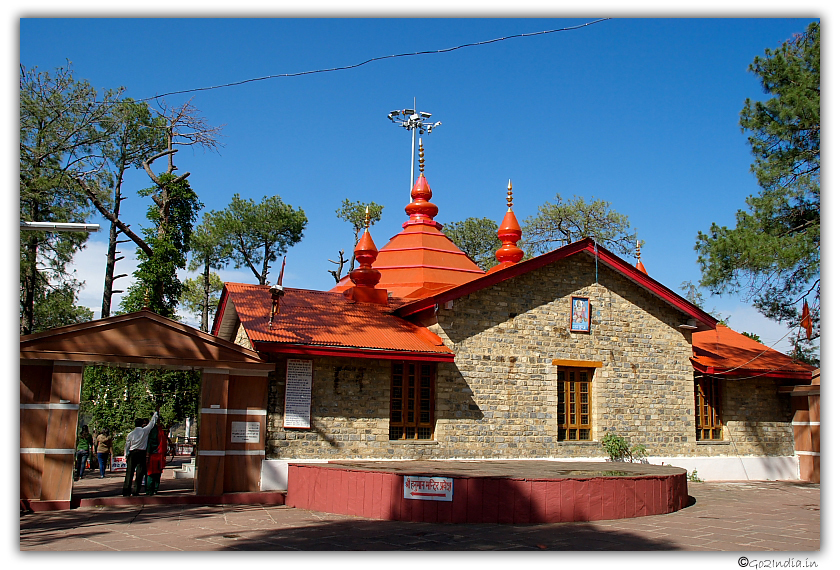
(506, 337)
(499, 398)
(756, 418)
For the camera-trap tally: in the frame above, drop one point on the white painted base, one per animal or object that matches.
(275, 472)
(274, 475)
(728, 468)
(736, 468)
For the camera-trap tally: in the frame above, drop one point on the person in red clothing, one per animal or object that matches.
(156, 458)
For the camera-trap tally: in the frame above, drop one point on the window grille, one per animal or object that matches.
(412, 401)
(574, 401)
(707, 408)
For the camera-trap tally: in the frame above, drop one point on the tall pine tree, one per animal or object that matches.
(772, 255)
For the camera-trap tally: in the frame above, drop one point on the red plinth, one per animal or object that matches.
(375, 490)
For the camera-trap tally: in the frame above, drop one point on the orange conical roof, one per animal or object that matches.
(420, 260)
(365, 275)
(509, 233)
(639, 265)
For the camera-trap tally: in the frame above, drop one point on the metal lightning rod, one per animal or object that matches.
(414, 121)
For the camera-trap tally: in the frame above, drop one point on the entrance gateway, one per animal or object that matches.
(234, 396)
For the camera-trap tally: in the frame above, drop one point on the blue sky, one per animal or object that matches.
(640, 112)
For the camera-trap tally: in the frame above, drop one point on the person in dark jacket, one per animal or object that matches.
(83, 450)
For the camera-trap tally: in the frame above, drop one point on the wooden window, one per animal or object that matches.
(574, 404)
(412, 400)
(707, 408)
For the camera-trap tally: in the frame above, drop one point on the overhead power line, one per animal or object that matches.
(379, 58)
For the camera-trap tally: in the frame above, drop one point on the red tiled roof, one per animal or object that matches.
(322, 322)
(725, 352)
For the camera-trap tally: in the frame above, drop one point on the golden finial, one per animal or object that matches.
(510, 195)
(638, 249)
(146, 299)
(367, 217)
(422, 160)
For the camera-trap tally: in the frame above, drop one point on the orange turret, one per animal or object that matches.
(509, 233)
(420, 260)
(421, 210)
(364, 277)
(639, 265)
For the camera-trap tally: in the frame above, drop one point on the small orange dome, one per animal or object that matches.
(509, 233)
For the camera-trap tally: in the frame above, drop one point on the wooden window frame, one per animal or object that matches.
(708, 405)
(412, 401)
(574, 403)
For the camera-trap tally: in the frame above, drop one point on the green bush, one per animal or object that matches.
(618, 449)
(615, 446)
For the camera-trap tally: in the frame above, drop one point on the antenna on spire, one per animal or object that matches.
(413, 120)
(639, 265)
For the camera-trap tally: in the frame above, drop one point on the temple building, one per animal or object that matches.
(420, 354)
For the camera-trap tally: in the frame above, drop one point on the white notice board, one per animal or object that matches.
(298, 394)
(427, 488)
(245, 432)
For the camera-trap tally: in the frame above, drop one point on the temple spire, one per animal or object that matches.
(365, 277)
(509, 233)
(639, 265)
(421, 210)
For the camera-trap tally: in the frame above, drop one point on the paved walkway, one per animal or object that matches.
(735, 517)
(92, 487)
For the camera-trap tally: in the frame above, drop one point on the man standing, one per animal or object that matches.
(135, 452)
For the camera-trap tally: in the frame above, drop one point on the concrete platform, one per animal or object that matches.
(505, 492)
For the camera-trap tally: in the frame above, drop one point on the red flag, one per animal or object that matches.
(806, 320)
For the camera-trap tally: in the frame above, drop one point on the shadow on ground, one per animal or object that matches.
(367, 535)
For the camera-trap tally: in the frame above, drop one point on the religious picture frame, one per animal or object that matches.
(580, 314)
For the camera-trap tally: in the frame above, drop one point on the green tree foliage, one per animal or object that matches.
(257, 234)
(694, 295)
(354, 213)
(562, 222)
(753, 336)
(200, 295)
(137, 134)
(156, 277)
(477, 237)
(113, 397)
(63, 125)
(209, 251)
(56, 307)
(772, 255)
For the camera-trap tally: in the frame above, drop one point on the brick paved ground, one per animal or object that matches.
(736, 517)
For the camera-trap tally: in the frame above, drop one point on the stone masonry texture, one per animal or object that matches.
(499, 398)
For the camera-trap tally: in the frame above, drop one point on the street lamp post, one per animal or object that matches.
(414, 121)
(59, 227)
